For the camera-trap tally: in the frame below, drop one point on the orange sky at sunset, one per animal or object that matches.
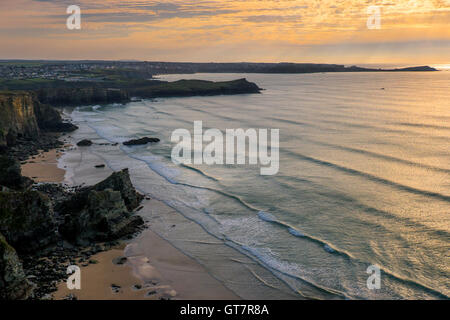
(331, 31)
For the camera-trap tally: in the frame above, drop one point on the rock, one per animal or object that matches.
(141, 141)
(115, 288)
(49, 119)
(120, 181)
(17, 117)
(13, 283)
(104, 217)
(27, 220)
(70, 296)
(84, 143)
(10, 174)
(119, 260)
(23, 117)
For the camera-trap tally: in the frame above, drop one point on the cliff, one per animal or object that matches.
(186, 88)
(75, 93)
(23, 117)
(81, 96)
(13, 282)
(17, 117)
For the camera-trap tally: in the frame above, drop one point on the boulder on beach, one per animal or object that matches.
(13, 282)
(141, 141)
(84, 143)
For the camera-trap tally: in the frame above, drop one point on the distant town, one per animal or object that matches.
(89, 70)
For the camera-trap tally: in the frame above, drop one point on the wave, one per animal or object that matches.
(297, 233)
(200, 172)
(270, 218)
(383, 156)
(423, 125)
(329, 248)
(283, 268)
(371, 177)
(322, 190)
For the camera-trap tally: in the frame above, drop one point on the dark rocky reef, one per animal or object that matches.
(141, 141)
(84, 143)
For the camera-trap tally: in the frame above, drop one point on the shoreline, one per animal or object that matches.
(163, 273)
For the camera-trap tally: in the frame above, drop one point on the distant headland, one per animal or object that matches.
(73, 70)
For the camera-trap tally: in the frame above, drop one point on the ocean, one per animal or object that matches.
(364, 179)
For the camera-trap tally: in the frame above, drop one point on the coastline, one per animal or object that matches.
(233, 268)
(163, 273)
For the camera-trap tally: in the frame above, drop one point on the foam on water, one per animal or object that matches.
(315, 192)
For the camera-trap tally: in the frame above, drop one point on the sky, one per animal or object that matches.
(321, 31)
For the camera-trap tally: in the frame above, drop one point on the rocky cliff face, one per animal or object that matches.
(13, 282)
(23, 117)
(80, 96)
(27, 220)
(17, 118)
(11, 175)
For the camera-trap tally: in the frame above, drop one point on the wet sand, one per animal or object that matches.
(158, 271)
(167, 274)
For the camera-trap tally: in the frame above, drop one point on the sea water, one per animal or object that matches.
(364, 179)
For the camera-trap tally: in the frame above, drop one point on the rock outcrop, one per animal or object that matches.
(17, 118)
(10, 174)
(102, 212)
(27, 220)
(120, 181)
(141, 141)
(13, 282)
(50, 120)
(22, 116)
(84, 143)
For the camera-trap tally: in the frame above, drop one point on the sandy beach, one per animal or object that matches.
(44, 167)
(159, 272)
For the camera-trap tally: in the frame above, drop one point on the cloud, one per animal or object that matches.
(172, 27)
